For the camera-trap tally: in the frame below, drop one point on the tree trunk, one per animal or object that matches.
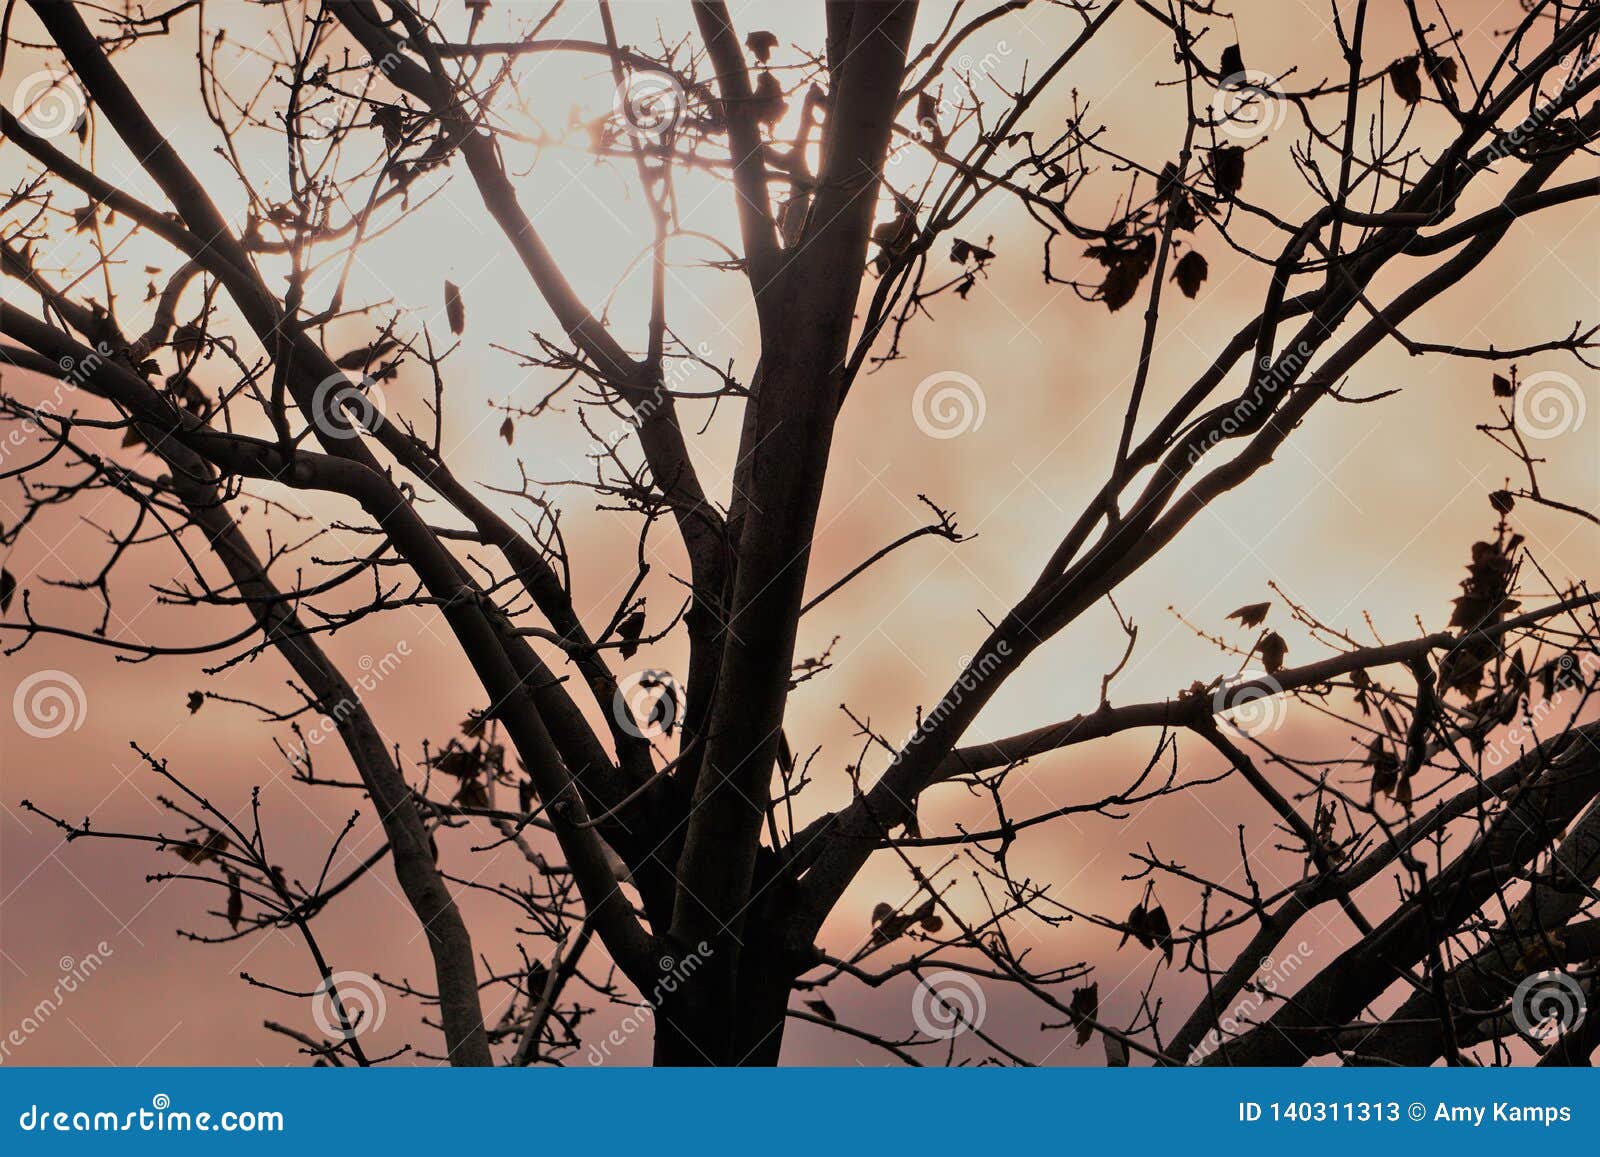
(747, 1032)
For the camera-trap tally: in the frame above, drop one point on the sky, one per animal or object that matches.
(1366, 518)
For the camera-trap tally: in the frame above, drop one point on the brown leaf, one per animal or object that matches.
(820, 1007)
(1190, 273)
(187, 340)
(460, 762)
(473, 793)
(768, 101)
(1252, 614)
(963, 251)
(1227, 170)
(8, 589)
(198, 852)
(1502, 501)
(889, 925)
(197, 700)
(455, 309)
(1385, 767)
(1232, 62)
(928, 119)
(1503, 387)
(508, 429)
(1272, 649)
(235, 901)
(392, 121)
(1404, 79)
(364, 356)
(1084, 1008)
(761, 43)
(1126, 264)
(629, 630)
(1161, 930)
(1137, 926)
(1442, 68)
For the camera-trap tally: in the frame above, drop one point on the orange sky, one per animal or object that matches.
(1369, 511)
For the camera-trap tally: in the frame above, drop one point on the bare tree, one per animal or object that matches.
(672, 860)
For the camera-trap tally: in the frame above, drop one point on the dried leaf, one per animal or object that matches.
(455, 309)
(187, 340)
(1137, 926)
(473, 793)
(963, 251)
(235, 901)
(364, 356)
(1272, 649)
(761, 43)
(1126, 264)
(629, 630)
(928, 119)
(1227, 170)
(1252, 614)
(1403, 77)
(1190, 273)
(8, 589)
(460, 762)
(1385, 767)
(820, 1007)
(196, 700)
(392, 121)
(199, 851)
(768, 101)
(1160, 929)
(1085, 1008)
(1502, 501)
(508, 429)
(1232, 62)
(1503, 387)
